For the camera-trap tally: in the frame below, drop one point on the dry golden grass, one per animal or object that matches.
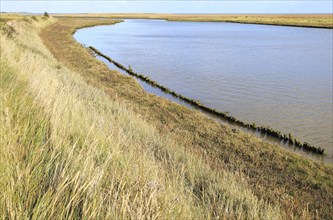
(81, 141)
(69, 151)
(273, 174)
(299, 20)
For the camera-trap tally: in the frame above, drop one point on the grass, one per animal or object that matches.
(317, 21)
(298, 20)
(79, 140)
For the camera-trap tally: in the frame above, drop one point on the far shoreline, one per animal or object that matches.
(292, 20)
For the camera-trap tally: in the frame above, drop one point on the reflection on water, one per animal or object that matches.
(270, 75)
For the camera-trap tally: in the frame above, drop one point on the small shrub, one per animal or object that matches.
(46, 15)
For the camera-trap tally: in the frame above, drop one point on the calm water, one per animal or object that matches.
(273, 76)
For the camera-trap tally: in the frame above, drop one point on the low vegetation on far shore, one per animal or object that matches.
(298, 20)
(79, 140)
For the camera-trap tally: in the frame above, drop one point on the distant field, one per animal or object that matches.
(299, 20)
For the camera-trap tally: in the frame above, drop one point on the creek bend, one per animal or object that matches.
(269, 75)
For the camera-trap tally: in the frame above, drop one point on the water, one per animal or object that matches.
(271, 75)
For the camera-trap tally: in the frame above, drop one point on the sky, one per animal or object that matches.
(162, 6)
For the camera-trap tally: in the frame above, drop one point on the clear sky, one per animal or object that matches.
(159, 6)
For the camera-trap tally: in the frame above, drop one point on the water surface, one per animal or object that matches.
(271, 75)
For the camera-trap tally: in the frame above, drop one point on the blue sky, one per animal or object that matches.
(158, 6)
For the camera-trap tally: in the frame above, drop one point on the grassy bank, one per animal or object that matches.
(296, 20)
(82, 141)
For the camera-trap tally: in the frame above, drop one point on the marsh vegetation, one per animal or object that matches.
(79, 140)
(300, 20)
